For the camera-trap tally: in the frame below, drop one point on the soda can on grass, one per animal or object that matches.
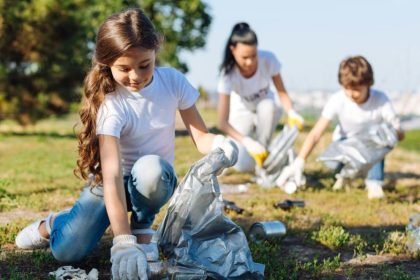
(267, 230)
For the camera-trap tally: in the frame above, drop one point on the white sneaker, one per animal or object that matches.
(374, 189)
(30, 238)
(339, 184)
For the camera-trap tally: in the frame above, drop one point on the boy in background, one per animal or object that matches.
(356, 107)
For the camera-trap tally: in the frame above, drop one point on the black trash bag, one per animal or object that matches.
(195, 233)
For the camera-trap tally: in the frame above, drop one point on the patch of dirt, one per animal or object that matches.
(369, 259)
(16, 214)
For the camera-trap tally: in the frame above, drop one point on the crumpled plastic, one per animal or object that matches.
(281, 154)
(355, 156)
(413, 233)
(195, 234)
(70, 273)
(384, 135)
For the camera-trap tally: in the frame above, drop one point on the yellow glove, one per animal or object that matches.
(256, 150)
(294, 119)
(260, 158)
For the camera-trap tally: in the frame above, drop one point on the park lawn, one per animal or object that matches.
(337, 235)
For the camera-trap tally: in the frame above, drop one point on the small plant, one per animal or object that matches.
(359, 244)
(395, 243)
(333, 237)
(316, 268)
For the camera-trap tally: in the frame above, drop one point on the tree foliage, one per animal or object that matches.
(46, 47)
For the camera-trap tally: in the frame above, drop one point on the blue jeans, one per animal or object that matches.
(76, 232)
(376, 173)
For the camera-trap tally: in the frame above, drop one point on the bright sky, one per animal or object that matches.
(311, 37)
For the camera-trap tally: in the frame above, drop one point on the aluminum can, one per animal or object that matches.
(267, 230)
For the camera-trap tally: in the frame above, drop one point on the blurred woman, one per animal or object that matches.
(247, 110)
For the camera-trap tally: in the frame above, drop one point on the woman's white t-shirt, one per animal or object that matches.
(144, 121)
(247, 92)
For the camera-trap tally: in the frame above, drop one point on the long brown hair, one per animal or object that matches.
(118, 33)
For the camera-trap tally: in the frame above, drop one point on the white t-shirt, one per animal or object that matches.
(145, 121)
(247, 92)
(356, 118)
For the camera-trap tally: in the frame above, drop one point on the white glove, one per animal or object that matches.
(255, 149)
(294, 119)
(292, 172)
(228, 146)
(128, 260)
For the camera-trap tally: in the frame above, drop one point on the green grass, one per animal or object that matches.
(37, 176)
(411, 141)
(333, 237)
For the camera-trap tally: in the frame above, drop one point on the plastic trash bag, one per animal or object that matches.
(353, 157)
(70, 273)
(384, 135)
(196, 235)
(281, 154)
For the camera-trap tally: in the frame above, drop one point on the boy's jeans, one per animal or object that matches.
(376, 173)
(76, 232)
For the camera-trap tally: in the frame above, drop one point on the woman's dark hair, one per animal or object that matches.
(241, 33)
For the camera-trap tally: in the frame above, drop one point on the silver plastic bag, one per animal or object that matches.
(281, 154)
(353, 157)
(195, 233)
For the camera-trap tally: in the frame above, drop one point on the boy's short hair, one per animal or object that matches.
(355, 71)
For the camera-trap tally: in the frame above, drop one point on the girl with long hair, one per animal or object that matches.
(126, 149)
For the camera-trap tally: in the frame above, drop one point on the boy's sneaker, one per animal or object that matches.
(374, 189)
(339, 184)
(30, 238)
(150, 250)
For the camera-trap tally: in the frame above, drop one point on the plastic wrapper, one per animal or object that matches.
(195, 235)
(281, 154)
(70, 273)
(413, 233)
(353, 157)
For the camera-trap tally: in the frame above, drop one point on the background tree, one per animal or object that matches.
(46, 47)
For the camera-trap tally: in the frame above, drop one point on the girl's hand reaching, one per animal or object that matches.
(228, 146)
(128, 260)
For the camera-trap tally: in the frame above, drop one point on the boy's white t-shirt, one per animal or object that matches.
(145, 121)
(247, 92)
(356, 118)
